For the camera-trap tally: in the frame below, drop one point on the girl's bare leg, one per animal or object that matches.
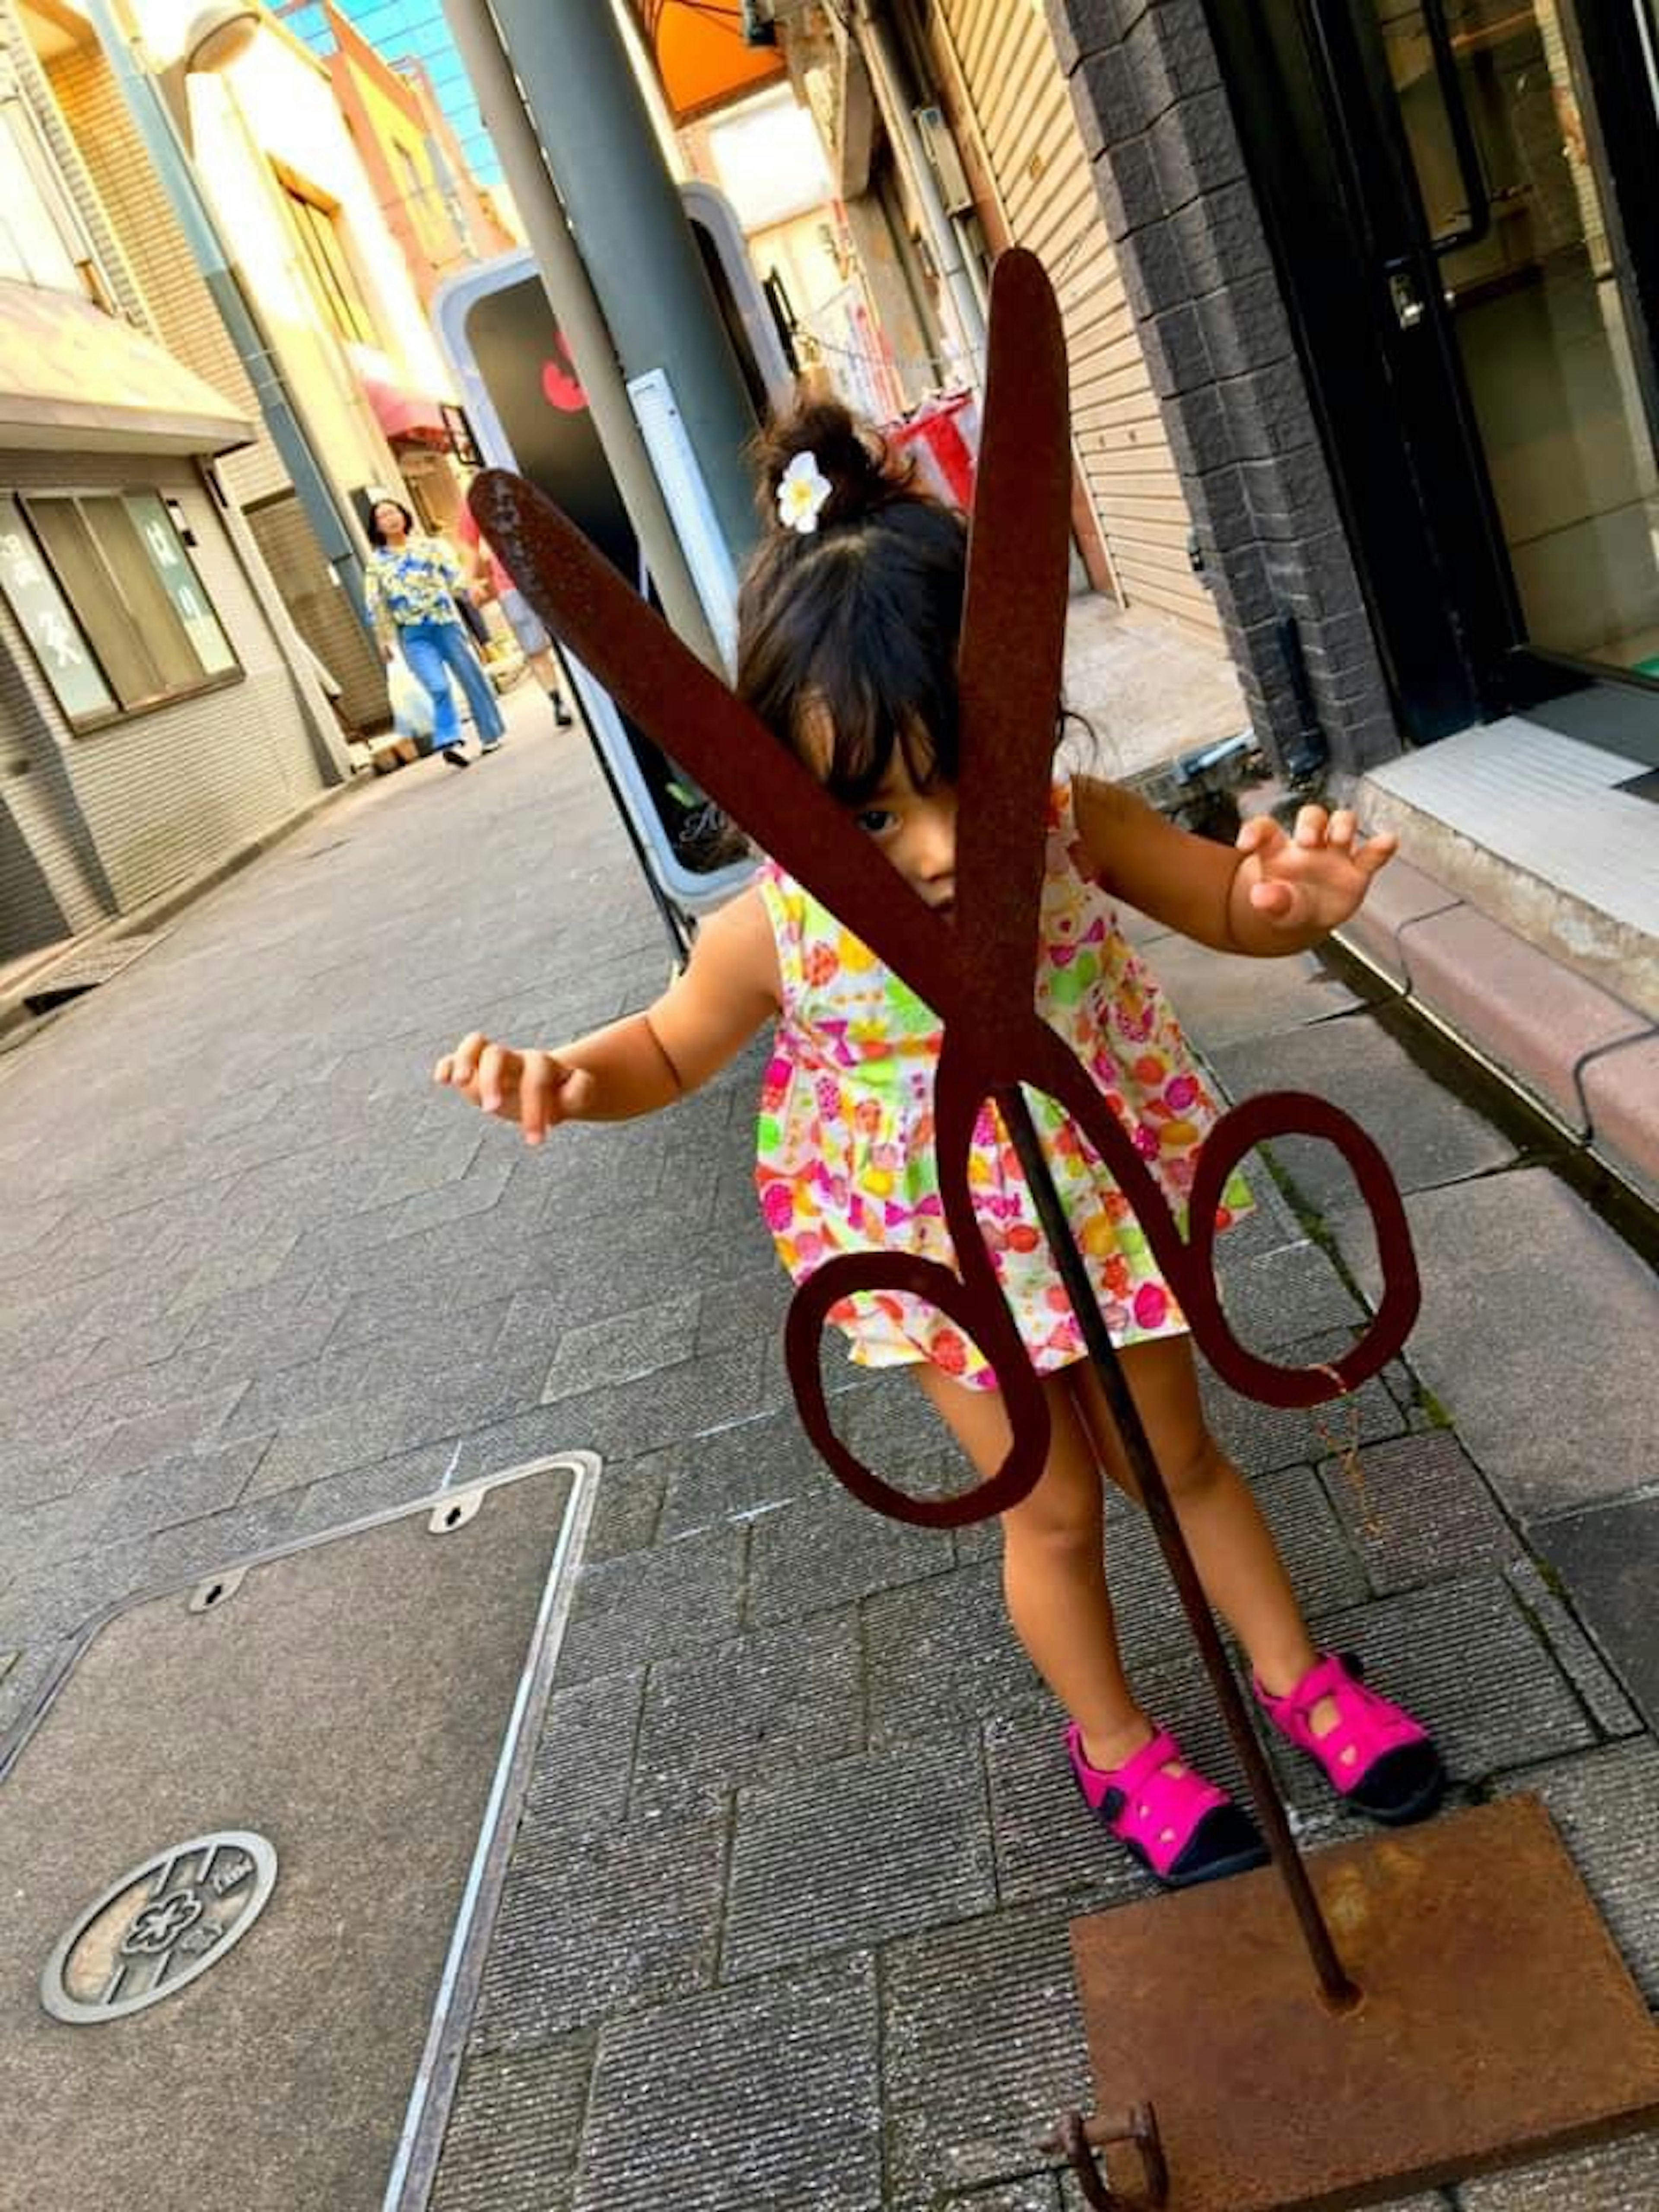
(1235, 1556)
(1053, 1576)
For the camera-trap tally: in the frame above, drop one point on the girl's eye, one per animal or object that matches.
(875, 820)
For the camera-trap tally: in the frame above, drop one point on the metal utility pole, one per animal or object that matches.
(587, 111)
(150, 114)
(890, 79)
(572, 297)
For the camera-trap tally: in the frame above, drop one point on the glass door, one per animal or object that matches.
(1530, 281)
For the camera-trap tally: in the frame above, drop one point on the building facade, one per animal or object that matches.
(155, 712)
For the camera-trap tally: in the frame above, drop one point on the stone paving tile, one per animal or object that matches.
(1281, 1297)
(1606, 1558)
(647, 1605)
(584, 1754)
(751, 1305)
(748, 1468)
(688, 1400)
(776, 1701)
(1033, 2192)
(186, 1424)
(1462, 1657)
(1495, 1347)
(1223, 999)
(241, 1270)
(982, 2049)
(178, 1489)
(1428, 1136)
(941, 1652)
(1603, 1805)
(1577, 1657)
(593, 1926)
(815, 1556)
(444, 1157)
(1417, 1509)
(104, 1400)
(623, 1349)
(1616, 2177)
(763, 2096)
(1322, 1568)
(514, 2130)
(338, 1500)
(855, 1850)
(627, 1512)
(436, 1397)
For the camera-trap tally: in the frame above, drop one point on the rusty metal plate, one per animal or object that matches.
(1498, 2020)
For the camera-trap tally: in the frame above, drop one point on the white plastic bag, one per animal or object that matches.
(412, 703)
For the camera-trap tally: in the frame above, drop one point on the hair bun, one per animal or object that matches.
(862, 472)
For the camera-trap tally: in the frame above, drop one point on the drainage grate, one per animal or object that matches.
(84, 971)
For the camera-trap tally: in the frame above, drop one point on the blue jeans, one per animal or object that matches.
(434, 650)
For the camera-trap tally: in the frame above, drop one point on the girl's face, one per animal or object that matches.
(916, 828)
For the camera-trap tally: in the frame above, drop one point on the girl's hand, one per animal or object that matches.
(1315, 879)
(531, 1088)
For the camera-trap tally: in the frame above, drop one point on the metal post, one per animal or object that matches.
(1339, 1992)
(624, 211)
(240, 317)
(571, 295)
(889, 76)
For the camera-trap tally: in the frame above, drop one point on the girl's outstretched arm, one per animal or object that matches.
(1269, 894)
(728, 988)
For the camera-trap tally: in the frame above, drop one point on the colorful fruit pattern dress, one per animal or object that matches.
(845, 1136)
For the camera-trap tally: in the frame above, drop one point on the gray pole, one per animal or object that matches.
(155, 126)
(572, 60)
(570, 294)
(889, 76)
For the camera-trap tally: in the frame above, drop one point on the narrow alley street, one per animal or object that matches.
(786, 1922)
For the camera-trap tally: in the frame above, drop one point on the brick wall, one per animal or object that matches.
(182, 310)
(1179, 206)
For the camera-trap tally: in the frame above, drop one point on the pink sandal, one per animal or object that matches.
(1374, 1755)
(1181, 1828)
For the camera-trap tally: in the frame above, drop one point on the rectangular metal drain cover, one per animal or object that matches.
(252, 1842)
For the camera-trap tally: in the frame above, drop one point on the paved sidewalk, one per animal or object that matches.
(785, 1926)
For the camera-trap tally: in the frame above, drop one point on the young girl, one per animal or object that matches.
(410, 585)
(848, 622)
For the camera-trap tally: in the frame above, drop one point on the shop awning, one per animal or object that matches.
(408, 418)
(73, 377)
(701, 60)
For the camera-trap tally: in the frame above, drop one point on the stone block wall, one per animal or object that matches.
(1157, 121)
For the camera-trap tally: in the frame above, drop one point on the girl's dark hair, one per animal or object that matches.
(386, 499)
(855, 621)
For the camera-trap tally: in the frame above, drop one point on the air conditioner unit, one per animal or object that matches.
(939, 142)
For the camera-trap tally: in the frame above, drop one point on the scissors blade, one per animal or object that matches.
(1013, 634)
(663, 688)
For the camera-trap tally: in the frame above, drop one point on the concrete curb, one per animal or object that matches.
(1580, 1055)
(142, 920)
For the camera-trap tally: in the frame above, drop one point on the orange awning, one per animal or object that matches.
(701, 60)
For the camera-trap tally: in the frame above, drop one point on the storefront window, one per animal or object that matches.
(111, 602)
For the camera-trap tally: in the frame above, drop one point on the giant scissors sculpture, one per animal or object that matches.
(977, 967)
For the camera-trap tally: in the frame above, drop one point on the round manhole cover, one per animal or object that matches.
(159, 1927)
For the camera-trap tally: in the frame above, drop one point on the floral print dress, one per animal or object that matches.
(845, 1136)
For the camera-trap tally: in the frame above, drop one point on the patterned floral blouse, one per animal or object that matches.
(416, 584)
(845, 1153)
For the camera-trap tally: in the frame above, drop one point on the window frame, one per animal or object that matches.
(16, 500)
(53, 198)
(313, 218)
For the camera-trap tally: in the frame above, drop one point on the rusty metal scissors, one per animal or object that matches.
(976, 968)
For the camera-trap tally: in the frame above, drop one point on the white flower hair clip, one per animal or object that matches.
(802, 490)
